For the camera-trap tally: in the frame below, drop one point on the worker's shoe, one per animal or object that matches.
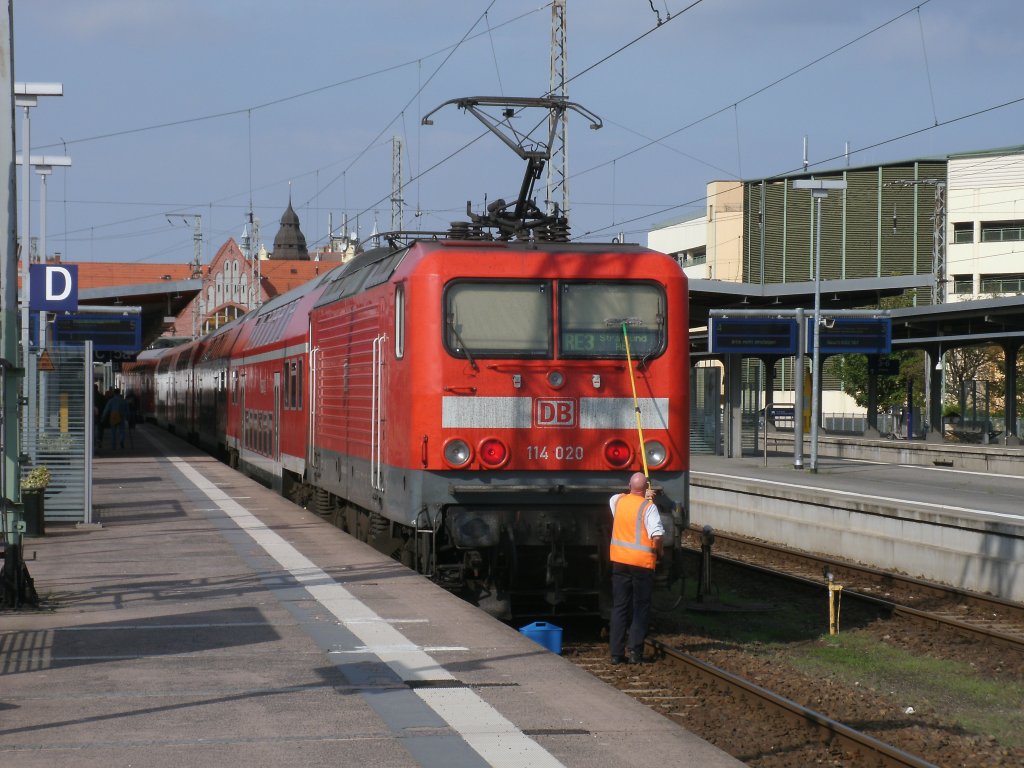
(636, 657)
(618, 659)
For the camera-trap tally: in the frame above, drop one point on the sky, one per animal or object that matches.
(175, 110)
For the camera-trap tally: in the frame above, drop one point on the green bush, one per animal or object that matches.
(36, 480)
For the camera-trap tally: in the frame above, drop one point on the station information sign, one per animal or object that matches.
(845, 335)
(108, 333)
(752, 335)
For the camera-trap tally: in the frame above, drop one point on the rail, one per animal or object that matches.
(845, 572)
(868, 748)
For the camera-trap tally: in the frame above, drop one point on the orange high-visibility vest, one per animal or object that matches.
(631, 544)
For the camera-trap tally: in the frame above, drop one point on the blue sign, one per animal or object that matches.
(107, 332)
(53, 287)
(845, 335)
(752, 335)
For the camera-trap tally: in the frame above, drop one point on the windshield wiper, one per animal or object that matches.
(465, 349)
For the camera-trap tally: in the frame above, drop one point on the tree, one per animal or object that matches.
(852, 371)
(966, 364)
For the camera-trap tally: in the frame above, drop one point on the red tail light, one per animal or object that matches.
(617, 453)
(493, 452)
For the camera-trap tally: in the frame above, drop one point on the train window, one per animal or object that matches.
(399, 322)
(591, 316)
(508, 318)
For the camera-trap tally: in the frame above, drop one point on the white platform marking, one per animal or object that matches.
(487, 731)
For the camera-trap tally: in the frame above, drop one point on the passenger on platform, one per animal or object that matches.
(115, 415)
(133, 415)
(99, 401)
(635, 548)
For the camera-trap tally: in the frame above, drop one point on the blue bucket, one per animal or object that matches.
(546, 634)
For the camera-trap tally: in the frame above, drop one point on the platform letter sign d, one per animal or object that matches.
(54, 287)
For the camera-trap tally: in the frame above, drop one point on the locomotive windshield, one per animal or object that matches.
(509, 318)
(498, 319)
(591, 316)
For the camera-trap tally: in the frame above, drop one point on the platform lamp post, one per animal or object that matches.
(819, 190)
(27, 95)
(43, 165)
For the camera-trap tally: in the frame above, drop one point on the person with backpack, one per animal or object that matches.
(115, 415)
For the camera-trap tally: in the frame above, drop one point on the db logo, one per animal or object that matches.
(555, 413)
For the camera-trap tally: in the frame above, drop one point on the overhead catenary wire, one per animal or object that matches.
(833, 158)
(752, 94)
(582, 72)
(290, 97)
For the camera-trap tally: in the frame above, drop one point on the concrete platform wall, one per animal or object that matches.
(962, 552)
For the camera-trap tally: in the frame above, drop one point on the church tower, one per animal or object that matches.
(290, 243)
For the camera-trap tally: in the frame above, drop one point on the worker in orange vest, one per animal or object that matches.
(635, 548)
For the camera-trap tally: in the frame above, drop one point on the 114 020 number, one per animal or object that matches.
(559, 452)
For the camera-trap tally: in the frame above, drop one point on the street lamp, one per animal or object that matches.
(819, 189)
(44, 165)
(26, 95)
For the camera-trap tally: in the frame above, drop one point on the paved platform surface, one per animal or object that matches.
(209, 622)
(954, 495)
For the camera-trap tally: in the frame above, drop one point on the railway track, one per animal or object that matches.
(765, 713)
(862, 747)
(969, 614)
(781, 723)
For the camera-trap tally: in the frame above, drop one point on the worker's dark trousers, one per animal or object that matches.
(631, 607)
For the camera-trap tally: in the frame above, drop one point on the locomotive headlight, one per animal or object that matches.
(617, 453)
(457, 453)
(655, 452)
(493, 452)
(556, 379)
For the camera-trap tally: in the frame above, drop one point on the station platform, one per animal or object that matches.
(953, 522)
(209, 621)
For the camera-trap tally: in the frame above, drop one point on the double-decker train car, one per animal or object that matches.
(466, 401)
(267, 414)
(139, 377)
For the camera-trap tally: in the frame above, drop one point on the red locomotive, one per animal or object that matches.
(466, 404)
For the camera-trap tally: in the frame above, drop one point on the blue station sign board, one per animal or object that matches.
(846, 335)
(107, 332)
(752, 335)
(53, 287)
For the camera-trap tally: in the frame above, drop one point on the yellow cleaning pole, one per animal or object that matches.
(636, 404)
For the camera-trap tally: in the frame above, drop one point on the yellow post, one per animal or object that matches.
(833, 607)
(64, 412)
(636, 405)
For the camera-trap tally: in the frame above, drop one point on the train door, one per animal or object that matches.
(243, 430)
(275, 449)
(314, 383)
(377, 418)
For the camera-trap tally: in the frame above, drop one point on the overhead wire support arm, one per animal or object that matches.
(524, 220)
(512, 105)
